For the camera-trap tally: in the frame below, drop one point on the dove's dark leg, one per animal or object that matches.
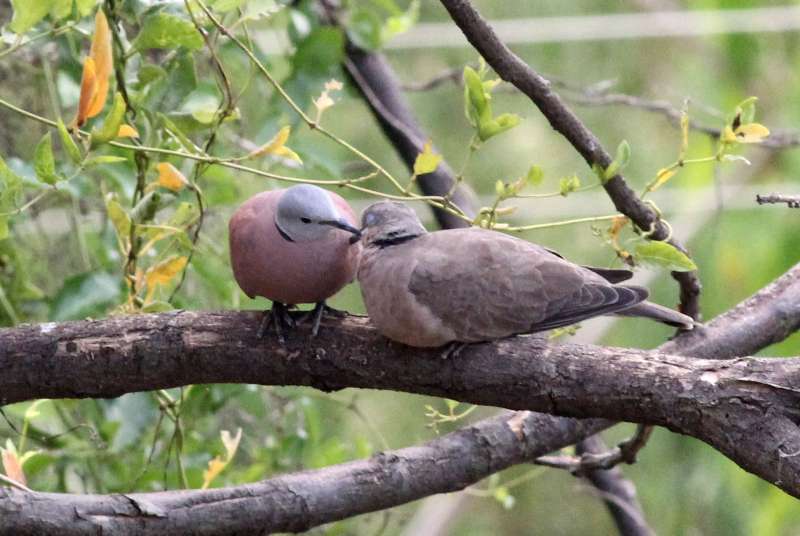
(279, 317)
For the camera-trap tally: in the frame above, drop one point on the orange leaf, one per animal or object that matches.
(127, 131)
(169, 177)
(88, 90)
(162, 273)
(103, 60)
(12, 467)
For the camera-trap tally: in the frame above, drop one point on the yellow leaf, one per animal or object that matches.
(727, 135)
(751, 133)
(169, 177)
(217, 464)
(88, 90)
(127, 131)
(162, 273)
(663, 175)
(215, 467)
(276, 146)
(103, 62)
(427, 161)
(11, 465)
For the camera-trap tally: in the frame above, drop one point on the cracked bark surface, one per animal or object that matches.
(752, 399)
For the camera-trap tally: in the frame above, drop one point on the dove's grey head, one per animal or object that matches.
(388, 222)
(306, 213)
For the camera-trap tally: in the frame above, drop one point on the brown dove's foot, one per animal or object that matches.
(280, 317)
(453, 349)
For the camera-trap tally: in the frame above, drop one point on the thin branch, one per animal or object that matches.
(593, 460)
(792, 201)
(512, 69)
(618, 493)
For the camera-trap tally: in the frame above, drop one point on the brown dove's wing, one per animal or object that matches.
(486, 285)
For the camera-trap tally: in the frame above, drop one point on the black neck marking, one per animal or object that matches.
(395, 240)
(283, 233)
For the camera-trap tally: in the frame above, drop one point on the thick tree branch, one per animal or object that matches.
(299, 501)
(719, 401)
(753, 323)
(512, 69)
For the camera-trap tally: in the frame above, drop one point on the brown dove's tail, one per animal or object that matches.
(659, 312)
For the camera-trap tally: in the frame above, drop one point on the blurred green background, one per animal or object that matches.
(61, 260)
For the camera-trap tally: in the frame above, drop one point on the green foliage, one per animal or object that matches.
(44, 162)
(166, 31)
(663, 254)
(478, 106)
(88, 229)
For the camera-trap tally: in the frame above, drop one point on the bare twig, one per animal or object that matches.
(792, 201)
(591, 460)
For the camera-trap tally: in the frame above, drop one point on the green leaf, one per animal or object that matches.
(27, 13)
(475, 99)
(88, 294)
(59, 8)
(746, 110)
(620, 161)
(68, 143)
(427, 161)
(108, 131)
(226, 5)
(105, 159)
(400, 23)
(85, 6)
(364, 29)
(120, 219)
(173, 129)
(163, 30)
(3, 227)
(44, 163)
(663, 254)
(535, 176)
(569, 184)
(491, 128)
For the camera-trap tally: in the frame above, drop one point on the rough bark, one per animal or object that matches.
(723, 402)
(770, 315)
(298, 501)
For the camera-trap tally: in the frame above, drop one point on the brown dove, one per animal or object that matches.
(471, 285)
(292, 246)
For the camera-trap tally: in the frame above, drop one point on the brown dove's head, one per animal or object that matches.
(387, 223)
(306, 213)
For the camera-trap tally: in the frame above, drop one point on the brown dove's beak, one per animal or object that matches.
(344, 226)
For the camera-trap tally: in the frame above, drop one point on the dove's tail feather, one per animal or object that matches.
(659, 312)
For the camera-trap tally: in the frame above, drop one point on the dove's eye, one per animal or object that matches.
(305, 220)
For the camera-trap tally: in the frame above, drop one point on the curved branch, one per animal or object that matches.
(512, 69)
(299, 501)
(757, 316)
(718, 401)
